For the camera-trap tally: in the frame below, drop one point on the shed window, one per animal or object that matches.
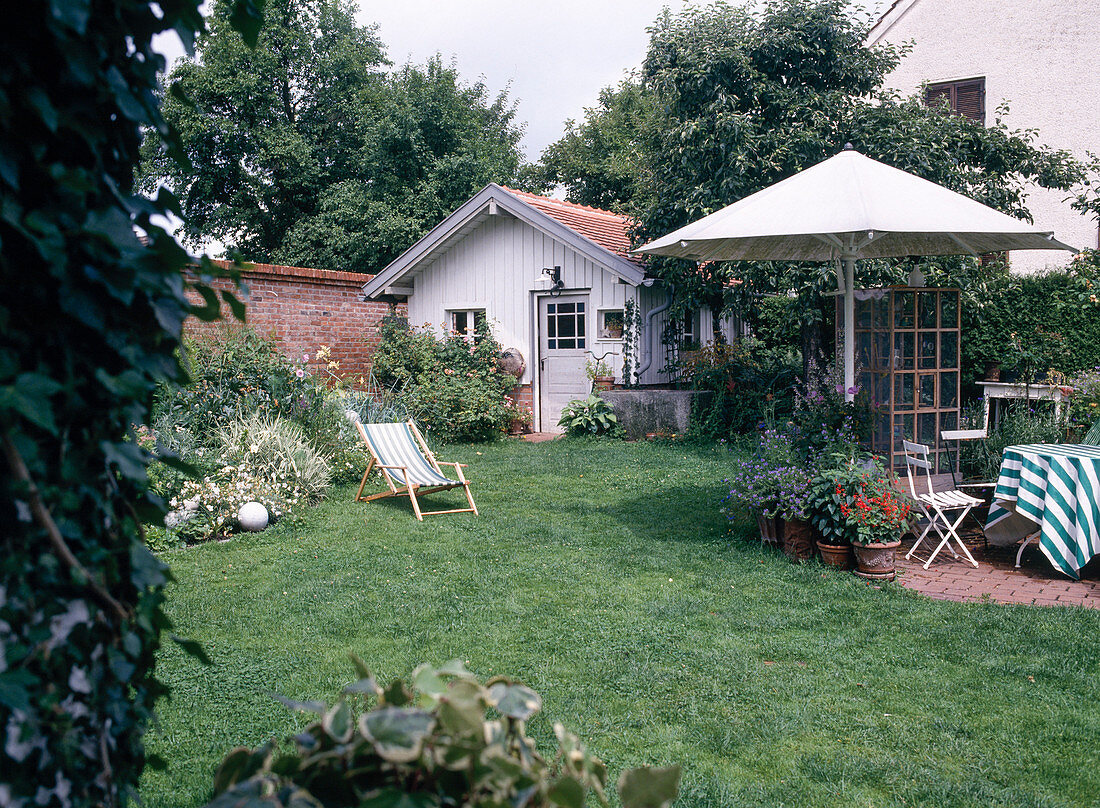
(966, 98)
(689, 332)
(565, 326)
(466, 323)
(611, 324)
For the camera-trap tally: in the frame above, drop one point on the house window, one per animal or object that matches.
(565, 326)
(966, 98)
(465, 323)
(689, 332)
(611, 324)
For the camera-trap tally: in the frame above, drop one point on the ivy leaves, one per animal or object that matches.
(89, 324)
(451, 740)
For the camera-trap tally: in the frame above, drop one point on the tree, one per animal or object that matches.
(305, 151)
(429, 142)
(89, 324)
(600, 160)
(266, 129)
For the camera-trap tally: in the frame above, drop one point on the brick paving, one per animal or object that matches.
(995, 579)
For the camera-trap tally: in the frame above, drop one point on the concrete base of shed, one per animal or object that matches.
(645, 411)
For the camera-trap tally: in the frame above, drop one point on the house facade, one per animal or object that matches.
(1039, 56)
(552, 279)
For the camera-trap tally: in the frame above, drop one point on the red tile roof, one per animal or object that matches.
(610, 230)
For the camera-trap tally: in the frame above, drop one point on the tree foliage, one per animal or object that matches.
(307, 151)
(89, 323)
(600, 160)
(743, 97)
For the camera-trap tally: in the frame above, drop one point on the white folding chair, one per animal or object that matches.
(935, 505)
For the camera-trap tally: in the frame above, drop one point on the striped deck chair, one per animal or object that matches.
(408, 466)
(935, 505)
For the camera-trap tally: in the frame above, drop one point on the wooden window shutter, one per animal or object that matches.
(970, 99)
(966, 98)
(937, 93)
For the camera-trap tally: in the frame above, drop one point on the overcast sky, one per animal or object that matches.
(554, 57)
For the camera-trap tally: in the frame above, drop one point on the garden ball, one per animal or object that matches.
(252, 516)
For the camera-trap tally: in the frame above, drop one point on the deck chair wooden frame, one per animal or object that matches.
(936, 505)
(411, 469)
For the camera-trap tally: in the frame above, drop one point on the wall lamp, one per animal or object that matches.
(557, 284)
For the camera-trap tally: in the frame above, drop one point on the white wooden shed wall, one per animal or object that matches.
(652, 298)
(497, 267)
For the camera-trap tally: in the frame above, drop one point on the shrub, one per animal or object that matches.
(454, 386)
(1084, 405)
(240, 373)
(746, 384)
(593, 416)
(824, 420)
(276, 449)
(434, 746)
(1034, 323)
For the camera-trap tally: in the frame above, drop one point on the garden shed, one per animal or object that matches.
(555, 281)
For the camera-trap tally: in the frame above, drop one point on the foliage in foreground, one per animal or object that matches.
(455, 385)
(429, 747)
(89, 323)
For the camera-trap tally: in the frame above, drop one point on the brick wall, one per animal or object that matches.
(306, 308)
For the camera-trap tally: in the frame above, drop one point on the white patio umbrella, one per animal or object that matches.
(846, 208)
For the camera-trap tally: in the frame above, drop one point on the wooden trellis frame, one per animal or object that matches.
(907, 344)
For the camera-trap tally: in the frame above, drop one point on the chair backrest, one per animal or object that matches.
(958, 436)
(400, 444)
(916, 457)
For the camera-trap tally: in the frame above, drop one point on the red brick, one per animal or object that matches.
(304, 309)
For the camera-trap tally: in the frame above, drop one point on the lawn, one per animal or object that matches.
(603, 575)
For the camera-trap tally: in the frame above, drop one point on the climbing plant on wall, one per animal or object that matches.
(89, 323)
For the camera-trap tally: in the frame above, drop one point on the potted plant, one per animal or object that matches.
(774, 484)
(601, 374)
(834, 533)
(877, 514)
(519, 416)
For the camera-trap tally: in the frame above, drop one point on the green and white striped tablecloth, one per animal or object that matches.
(1055, 489)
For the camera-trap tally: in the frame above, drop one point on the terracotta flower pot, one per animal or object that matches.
(771, 530)
(836, 555)
(876, 561)
(603, 383)
(798, 539)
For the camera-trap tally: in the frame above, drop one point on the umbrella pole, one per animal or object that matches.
(849, 264)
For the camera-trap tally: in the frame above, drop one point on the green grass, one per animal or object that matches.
(603, 575)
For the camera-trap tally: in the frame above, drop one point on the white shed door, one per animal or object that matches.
(563, 347)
